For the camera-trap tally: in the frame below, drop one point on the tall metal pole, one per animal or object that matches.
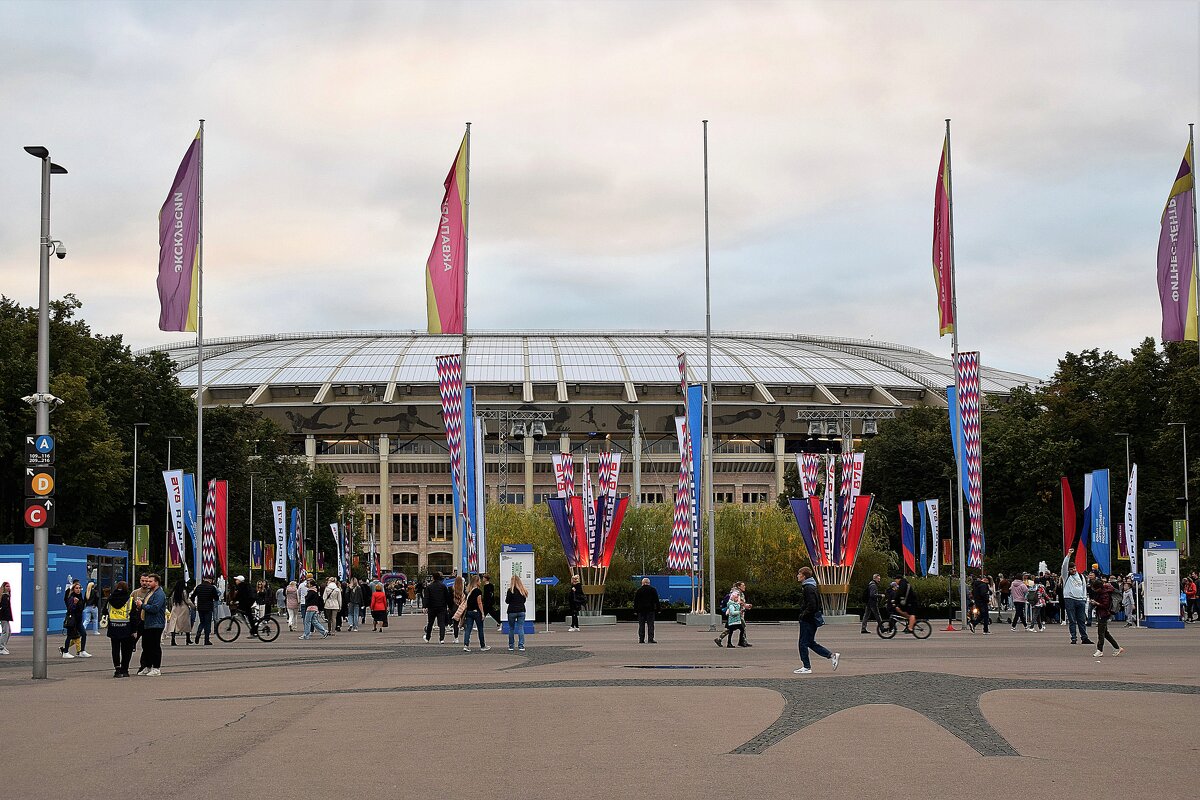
(957, 410)
(252, 532)
(1187, 504)
(1195, 252)
(462, 456)
(708, 392)
(41, 536)
(133, 533)
(636, 446)
(200, 487)
(167, 527)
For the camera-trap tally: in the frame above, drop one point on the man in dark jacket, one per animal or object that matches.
(1100, 600)
(490, 607)
(205, 596)
(243, 596)
(981, 592)
(871, 600)
(811, 618)
(436, 599)
(645, 604)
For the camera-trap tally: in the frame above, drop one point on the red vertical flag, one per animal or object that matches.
(1068, 528)
(943, 259)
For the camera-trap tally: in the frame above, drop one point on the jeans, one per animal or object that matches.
(808, 641)
(476, 619)
(437, 615)
(1019, 613)
(206, 618)
(311, 620)
(5, 632)
(516, 625)
(871, 613)
(352, 616)
(645, 621)
(1075, 617)
(985, 617)
(91, 619)
(151, 648)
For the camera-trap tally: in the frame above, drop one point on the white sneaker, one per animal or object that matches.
(510, 649)
(1119, 651)
(67, 655)
(84, 654)
(426, 638)
(1098, 654)
(456, 640)
(154, 673)
(484, 649)
(3, 651)
(801, 671)
(522, 649)
(836, 658)
(465, 649)
(143, 671)
(499, 628)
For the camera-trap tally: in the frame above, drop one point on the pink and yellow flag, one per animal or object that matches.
(1177, 268)
(943, 260)
(446, 269)
(179, 245)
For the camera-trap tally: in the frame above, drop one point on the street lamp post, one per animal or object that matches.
(42, 401)
(252, 474)
(137, 426)
(1126, 437)
(1187, 507)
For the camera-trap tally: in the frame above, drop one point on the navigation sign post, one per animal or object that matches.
(39, 481)
(39, 512)
(548, 581)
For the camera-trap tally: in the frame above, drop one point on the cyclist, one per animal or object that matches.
(244, 597)
(906, 603)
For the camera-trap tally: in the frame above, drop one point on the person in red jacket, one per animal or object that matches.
(379, 604)
(1101, 600)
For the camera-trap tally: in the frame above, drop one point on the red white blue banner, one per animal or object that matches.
(450, 386)
(972, 451)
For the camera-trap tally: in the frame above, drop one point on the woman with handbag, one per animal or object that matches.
(811, 618)
(576, 601)
(291, 599)
(73, 623)
(121, 628)
(378, 608)
(514, 600)
(473, 614)
(458, 599)
(181, 613)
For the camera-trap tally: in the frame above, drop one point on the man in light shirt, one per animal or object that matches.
(1017, 593)
(1074, 598)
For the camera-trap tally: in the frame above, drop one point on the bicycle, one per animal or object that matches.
(886, 628)
(228, 629)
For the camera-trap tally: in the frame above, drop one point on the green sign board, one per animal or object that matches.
(1179, 532)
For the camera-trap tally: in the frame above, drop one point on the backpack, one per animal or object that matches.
(1114, 603)
(866, 594)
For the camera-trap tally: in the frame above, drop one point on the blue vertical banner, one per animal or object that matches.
(1101, 515)
(695, 405)
(468, 444)
(909, 560)
(923, 561)
(960, 456)
(189, 518)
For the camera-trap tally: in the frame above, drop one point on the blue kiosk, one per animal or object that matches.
(66, 563)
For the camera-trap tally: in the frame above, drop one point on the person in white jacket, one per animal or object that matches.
(332, 597)
(1075, 599)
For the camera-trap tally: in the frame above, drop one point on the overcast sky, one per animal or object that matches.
(331, 126)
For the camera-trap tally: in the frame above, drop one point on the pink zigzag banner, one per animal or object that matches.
(450, 386)
(968, 400)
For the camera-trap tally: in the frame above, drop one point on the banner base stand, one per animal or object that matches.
(1163, 622)
(703, 620)
(594, 621)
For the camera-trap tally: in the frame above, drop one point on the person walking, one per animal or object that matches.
(1018, 591)
(474, 614)
(291, 600)
(576, 600)
(457, 597)
(378, 608)
(6, 616)
(435, 599)
(181, 613)
(73, 623)
(720, 640)
(1075, 599)
(871, 603)
(154, 610)
(1127, 600)
(91, 608)
(514, 601)
(312, 611)
(1040, 602)
(354, 592)
(811, 618)
(1101, 599)
(120, 628)
(645, 605)
(243, 598)
(206, 597)
(490, 607)
(980, 597)
(332, 599)
(734, 621)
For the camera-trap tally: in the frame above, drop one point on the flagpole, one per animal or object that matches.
(200, 487)
(462, 455)
(707, 479)
(957, 410)
(1195, 241)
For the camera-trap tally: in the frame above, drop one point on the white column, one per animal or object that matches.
(780, 463)
(529, 444)
(385, 504)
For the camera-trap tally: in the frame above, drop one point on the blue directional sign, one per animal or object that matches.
(39, 450)
(1136, 577)
(552, 580)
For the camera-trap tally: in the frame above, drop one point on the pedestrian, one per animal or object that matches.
(734, 620)
(332, 600)
(645, 605)
(457, 597)
(6, 616)
(811, 618)
(474, 614)
(154, 609)
(1018, 592)
(76, 636)
(353, 601)
(1040, 600)
(490, 607)
(262, 599)
(243, 599)
(1127, 600)
(205, 596)
(1003, 586)
(121, 629)
(312, 611)
(181, 613)
(576, 601)
(91, 608)
(980, 594)
(291, 600)
(514, 601)
(1101, 599)
(871, 602)
(1189, 594)
(435, 598)
(724, 609)
(1074, 599)
(378, 608)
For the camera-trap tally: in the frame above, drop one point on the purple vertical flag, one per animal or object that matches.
(1176, 257)
(179, 246)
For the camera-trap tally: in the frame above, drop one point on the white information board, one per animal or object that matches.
(13, 572)
(1160, 566)
(517, 559)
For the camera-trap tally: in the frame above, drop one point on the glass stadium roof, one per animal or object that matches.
(356, 357)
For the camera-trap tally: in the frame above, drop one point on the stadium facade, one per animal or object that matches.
(366, 405)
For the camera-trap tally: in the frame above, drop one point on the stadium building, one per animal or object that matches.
(366, 404)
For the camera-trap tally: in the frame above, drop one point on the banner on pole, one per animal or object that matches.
(947, 551)
(445, 269)
(943, 260)
(141, 545)
(1177, 268)
(280, 560)
(935, 536)
(1101, 521)
(906, 536)
(179, 246)
(174, 483)
(256, 554)
(972, 452)
(1129, 529)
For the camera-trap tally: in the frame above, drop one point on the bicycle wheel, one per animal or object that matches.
(268, 629)
(228, 629)
(922, 629)
(886, 629)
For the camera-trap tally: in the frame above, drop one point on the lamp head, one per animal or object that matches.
(37, 151)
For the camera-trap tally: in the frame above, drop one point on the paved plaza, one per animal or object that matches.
(594, 714)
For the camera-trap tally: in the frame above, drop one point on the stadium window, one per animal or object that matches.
(404, 527)
(407, 499)
(441, 498)
(441, 527)
(651, 498)
(722, 497)
(514, 498)
(753, 498)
